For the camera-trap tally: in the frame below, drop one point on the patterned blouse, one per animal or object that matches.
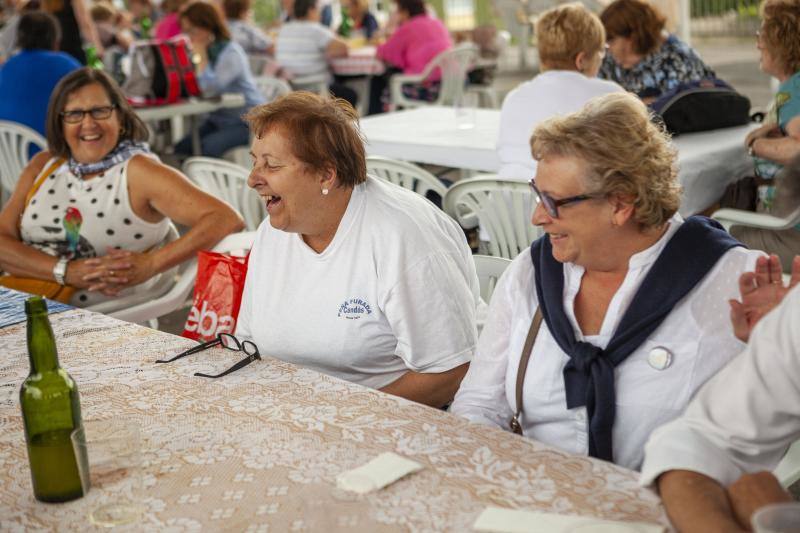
(661, 71)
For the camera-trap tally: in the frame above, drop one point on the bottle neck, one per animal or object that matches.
(41, 344)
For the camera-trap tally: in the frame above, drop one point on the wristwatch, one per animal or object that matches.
(60, 270)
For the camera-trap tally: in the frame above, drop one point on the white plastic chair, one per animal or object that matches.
(316, 83)
(172, 291)
(453, 64)
(503, 208)
(15, 143)
(788, 470)
(739, 217)
(271, 87)
(489, 270)
(487, 94)
(407, 175)
(227, 181)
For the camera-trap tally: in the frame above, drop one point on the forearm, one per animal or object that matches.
(21, 260)
(434, 389)
(86, 25)
(695, 502)
(204, 235)
(780, 150)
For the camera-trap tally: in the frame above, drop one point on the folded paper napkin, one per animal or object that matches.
(376, 474)
(517, 521)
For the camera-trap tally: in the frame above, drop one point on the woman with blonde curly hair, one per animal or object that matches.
(777, 142)
(627, 294)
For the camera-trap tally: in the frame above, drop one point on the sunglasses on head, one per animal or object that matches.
(227, 341)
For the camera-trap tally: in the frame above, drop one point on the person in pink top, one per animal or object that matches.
(418, 39)
(169, 26)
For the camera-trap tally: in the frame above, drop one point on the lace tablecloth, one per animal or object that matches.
(259, 450)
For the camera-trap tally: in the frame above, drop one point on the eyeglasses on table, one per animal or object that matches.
(227, 341)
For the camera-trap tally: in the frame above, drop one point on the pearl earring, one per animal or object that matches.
(324, 192)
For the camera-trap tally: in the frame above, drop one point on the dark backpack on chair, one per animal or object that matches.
(702, 106)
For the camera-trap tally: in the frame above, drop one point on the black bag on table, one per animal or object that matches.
(702, 106)
(162, 72)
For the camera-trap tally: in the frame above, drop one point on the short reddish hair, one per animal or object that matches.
(323, 133)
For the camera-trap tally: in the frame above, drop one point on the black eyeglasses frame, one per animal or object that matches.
(227, 341)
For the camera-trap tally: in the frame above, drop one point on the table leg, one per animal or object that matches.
(197, 148)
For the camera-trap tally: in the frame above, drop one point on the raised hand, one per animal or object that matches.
(761, 291)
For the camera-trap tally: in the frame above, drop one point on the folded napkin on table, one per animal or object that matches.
(376, 474)
(519, 521)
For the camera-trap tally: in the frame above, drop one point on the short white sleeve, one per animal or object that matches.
(431, 310)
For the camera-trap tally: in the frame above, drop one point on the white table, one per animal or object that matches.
(189, 109)
(708, 161)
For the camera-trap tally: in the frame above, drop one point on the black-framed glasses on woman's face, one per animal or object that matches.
(227, 341)
(75, 116)
(551, 205)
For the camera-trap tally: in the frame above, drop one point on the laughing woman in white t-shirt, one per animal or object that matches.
(351, 275)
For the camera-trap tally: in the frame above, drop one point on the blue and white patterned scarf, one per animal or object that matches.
(122, 152)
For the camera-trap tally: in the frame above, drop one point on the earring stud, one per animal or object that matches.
(324, 192)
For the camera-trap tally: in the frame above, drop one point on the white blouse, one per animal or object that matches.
(697, 334)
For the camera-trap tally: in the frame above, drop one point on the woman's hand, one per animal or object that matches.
(761, 292)
(118, 270)
(767, 130)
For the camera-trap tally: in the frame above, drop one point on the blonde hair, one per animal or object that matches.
(780, 31)
(628, 154)
(564, 31)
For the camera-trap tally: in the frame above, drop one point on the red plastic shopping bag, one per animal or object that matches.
(217, 295)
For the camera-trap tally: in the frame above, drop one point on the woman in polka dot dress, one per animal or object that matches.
(92, 210)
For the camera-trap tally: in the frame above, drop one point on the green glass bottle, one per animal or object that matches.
(92, 59)
(346, 27)
(145, 26)
(51, 411)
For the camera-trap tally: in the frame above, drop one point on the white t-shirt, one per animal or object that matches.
(300, 47)
(551, 93)
(395, 290)
(697, 333)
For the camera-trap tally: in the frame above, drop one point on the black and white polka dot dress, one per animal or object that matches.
(75, 218)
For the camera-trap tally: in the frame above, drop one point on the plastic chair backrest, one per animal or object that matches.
(15, 143)
(271, 87)
(454, 65)
(788, 469)
(489, 270)
(227, 181)
(407, 175)
(503, 208)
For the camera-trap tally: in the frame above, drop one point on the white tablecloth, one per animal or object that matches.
(708, 161)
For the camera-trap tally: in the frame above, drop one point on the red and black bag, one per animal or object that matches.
(161, 72)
